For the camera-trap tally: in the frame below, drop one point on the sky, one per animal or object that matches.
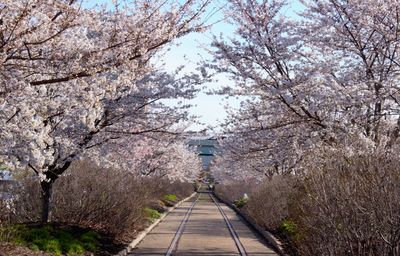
(189, 51)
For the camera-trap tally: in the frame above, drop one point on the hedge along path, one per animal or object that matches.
(143, 233)
(268, 236)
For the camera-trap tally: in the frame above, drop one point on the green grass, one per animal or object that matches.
(170, 197)
(55, 240)
(152, 214)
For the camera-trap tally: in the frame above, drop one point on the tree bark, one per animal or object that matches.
(47, 187)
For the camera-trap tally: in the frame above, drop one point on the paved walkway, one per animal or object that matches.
(205, 233)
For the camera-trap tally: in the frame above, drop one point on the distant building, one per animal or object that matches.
(206, 149)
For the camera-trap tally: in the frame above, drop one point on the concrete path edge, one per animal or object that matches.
(143, 233)
(264, 233)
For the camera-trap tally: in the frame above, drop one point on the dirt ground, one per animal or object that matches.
(7, 249)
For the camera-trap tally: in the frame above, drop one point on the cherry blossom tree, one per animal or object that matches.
(325, 79)
(283, 98)
(161, 155)
(172, 160)
(73, 79)
(358, 44)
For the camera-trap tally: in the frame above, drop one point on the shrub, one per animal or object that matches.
(102, 199)
(269, 204)
(25, 202)
(230, 192)
(158, 205)
(289, 228)
(239, 203)
(180, 189)
(170, 197)
(152, 214)
(350, 205)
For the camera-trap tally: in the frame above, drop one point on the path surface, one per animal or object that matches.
(204, 233)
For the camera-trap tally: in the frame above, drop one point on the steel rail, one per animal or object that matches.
(179, 232)
(232, 231)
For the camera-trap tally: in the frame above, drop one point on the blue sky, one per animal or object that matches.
(189, 51)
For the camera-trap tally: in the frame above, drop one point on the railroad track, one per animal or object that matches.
(204, 195)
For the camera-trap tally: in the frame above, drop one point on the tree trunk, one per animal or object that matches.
(47, 187)
(52, 175)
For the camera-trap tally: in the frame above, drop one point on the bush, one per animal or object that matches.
(343, 205)
(170, 197)
(5, 207)
(269, 204)
(110, 200)
(350, 206)
(152, 214)
(101, 199)
(180, 189)
(289, 228)
(24, 205)
(232, 191)
(239, 203)
(169, 200)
